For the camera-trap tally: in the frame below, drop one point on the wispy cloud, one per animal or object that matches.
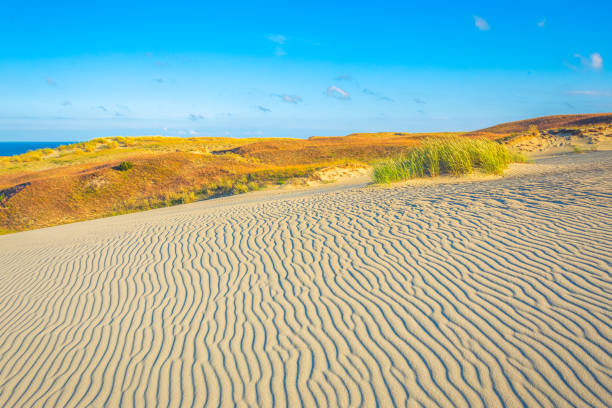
(277, 38)
(338, 93)
(343, 77)
(159, 80)
(280, 40)
(194, 117)
(481, 23)
(50, 82)
(542, 22)
(264, 109)
(116, 110)
(279, 51)
(590, 93)
(377, 95)
(295, 99)
(193, 132)
(419, 101)
(66, 103)
(593, 61)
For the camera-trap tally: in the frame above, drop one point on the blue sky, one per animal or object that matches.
(77, 70)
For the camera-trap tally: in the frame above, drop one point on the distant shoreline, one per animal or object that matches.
(13, 148)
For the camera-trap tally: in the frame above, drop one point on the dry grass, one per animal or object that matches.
(547, 122)
(87, 180)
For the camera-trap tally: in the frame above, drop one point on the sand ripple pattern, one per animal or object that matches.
(493, 293)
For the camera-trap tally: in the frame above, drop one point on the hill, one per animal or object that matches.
(86, 180)
(548, 122)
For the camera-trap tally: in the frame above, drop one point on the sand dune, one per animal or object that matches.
(491, 293)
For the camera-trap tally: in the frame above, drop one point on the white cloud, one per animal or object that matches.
(264, 109)
(277, 38)
(289, 98)
(338, 93)
(594, 61)
(193, 132)
(590, 93)
(50, 82)
(481, 23)
(542, 22)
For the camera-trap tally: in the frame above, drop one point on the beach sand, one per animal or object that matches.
(493, 293)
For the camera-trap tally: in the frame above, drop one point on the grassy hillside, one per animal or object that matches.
(548, 122)
(87, 180)
(108, 176)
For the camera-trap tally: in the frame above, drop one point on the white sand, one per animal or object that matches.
(485, 293)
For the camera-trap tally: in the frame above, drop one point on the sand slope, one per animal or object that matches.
(493, 293)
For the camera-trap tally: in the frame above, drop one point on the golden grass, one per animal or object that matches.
(87, 180)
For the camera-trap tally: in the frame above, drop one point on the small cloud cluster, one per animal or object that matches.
(338, 93)
(50, 82)
(294, 99)
(118, 110)
(542, 22)
(481, 23)
(280, 40)
(277, 38)
(264, 109)
(593, 61)
(377, 95)
(343, 77)
(194, 117)
(341, 93)
(419, 101)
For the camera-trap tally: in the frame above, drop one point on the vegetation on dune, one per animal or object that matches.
(548, 122)
(453, 156)
(110, 176)
(125, 165)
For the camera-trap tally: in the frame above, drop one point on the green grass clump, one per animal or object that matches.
(453, 155)
(125, 165)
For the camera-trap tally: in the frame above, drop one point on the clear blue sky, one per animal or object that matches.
(73, 70)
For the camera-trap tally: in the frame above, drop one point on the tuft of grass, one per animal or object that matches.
(452, 155)
(125, 165)
(577, 149)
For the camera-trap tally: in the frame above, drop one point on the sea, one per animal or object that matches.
(13, 148)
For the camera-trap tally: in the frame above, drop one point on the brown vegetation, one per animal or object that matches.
(108, 176)
(111, 176)
(548, 122)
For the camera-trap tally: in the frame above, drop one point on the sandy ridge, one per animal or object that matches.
(495, 293)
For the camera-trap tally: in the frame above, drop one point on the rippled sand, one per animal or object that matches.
(486, 293)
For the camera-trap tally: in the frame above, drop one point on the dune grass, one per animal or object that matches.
(449, 155)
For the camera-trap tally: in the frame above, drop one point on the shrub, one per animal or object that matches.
(240, 188)
(577, 149)
(125, 165)
(533, 130)
(447, 155)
